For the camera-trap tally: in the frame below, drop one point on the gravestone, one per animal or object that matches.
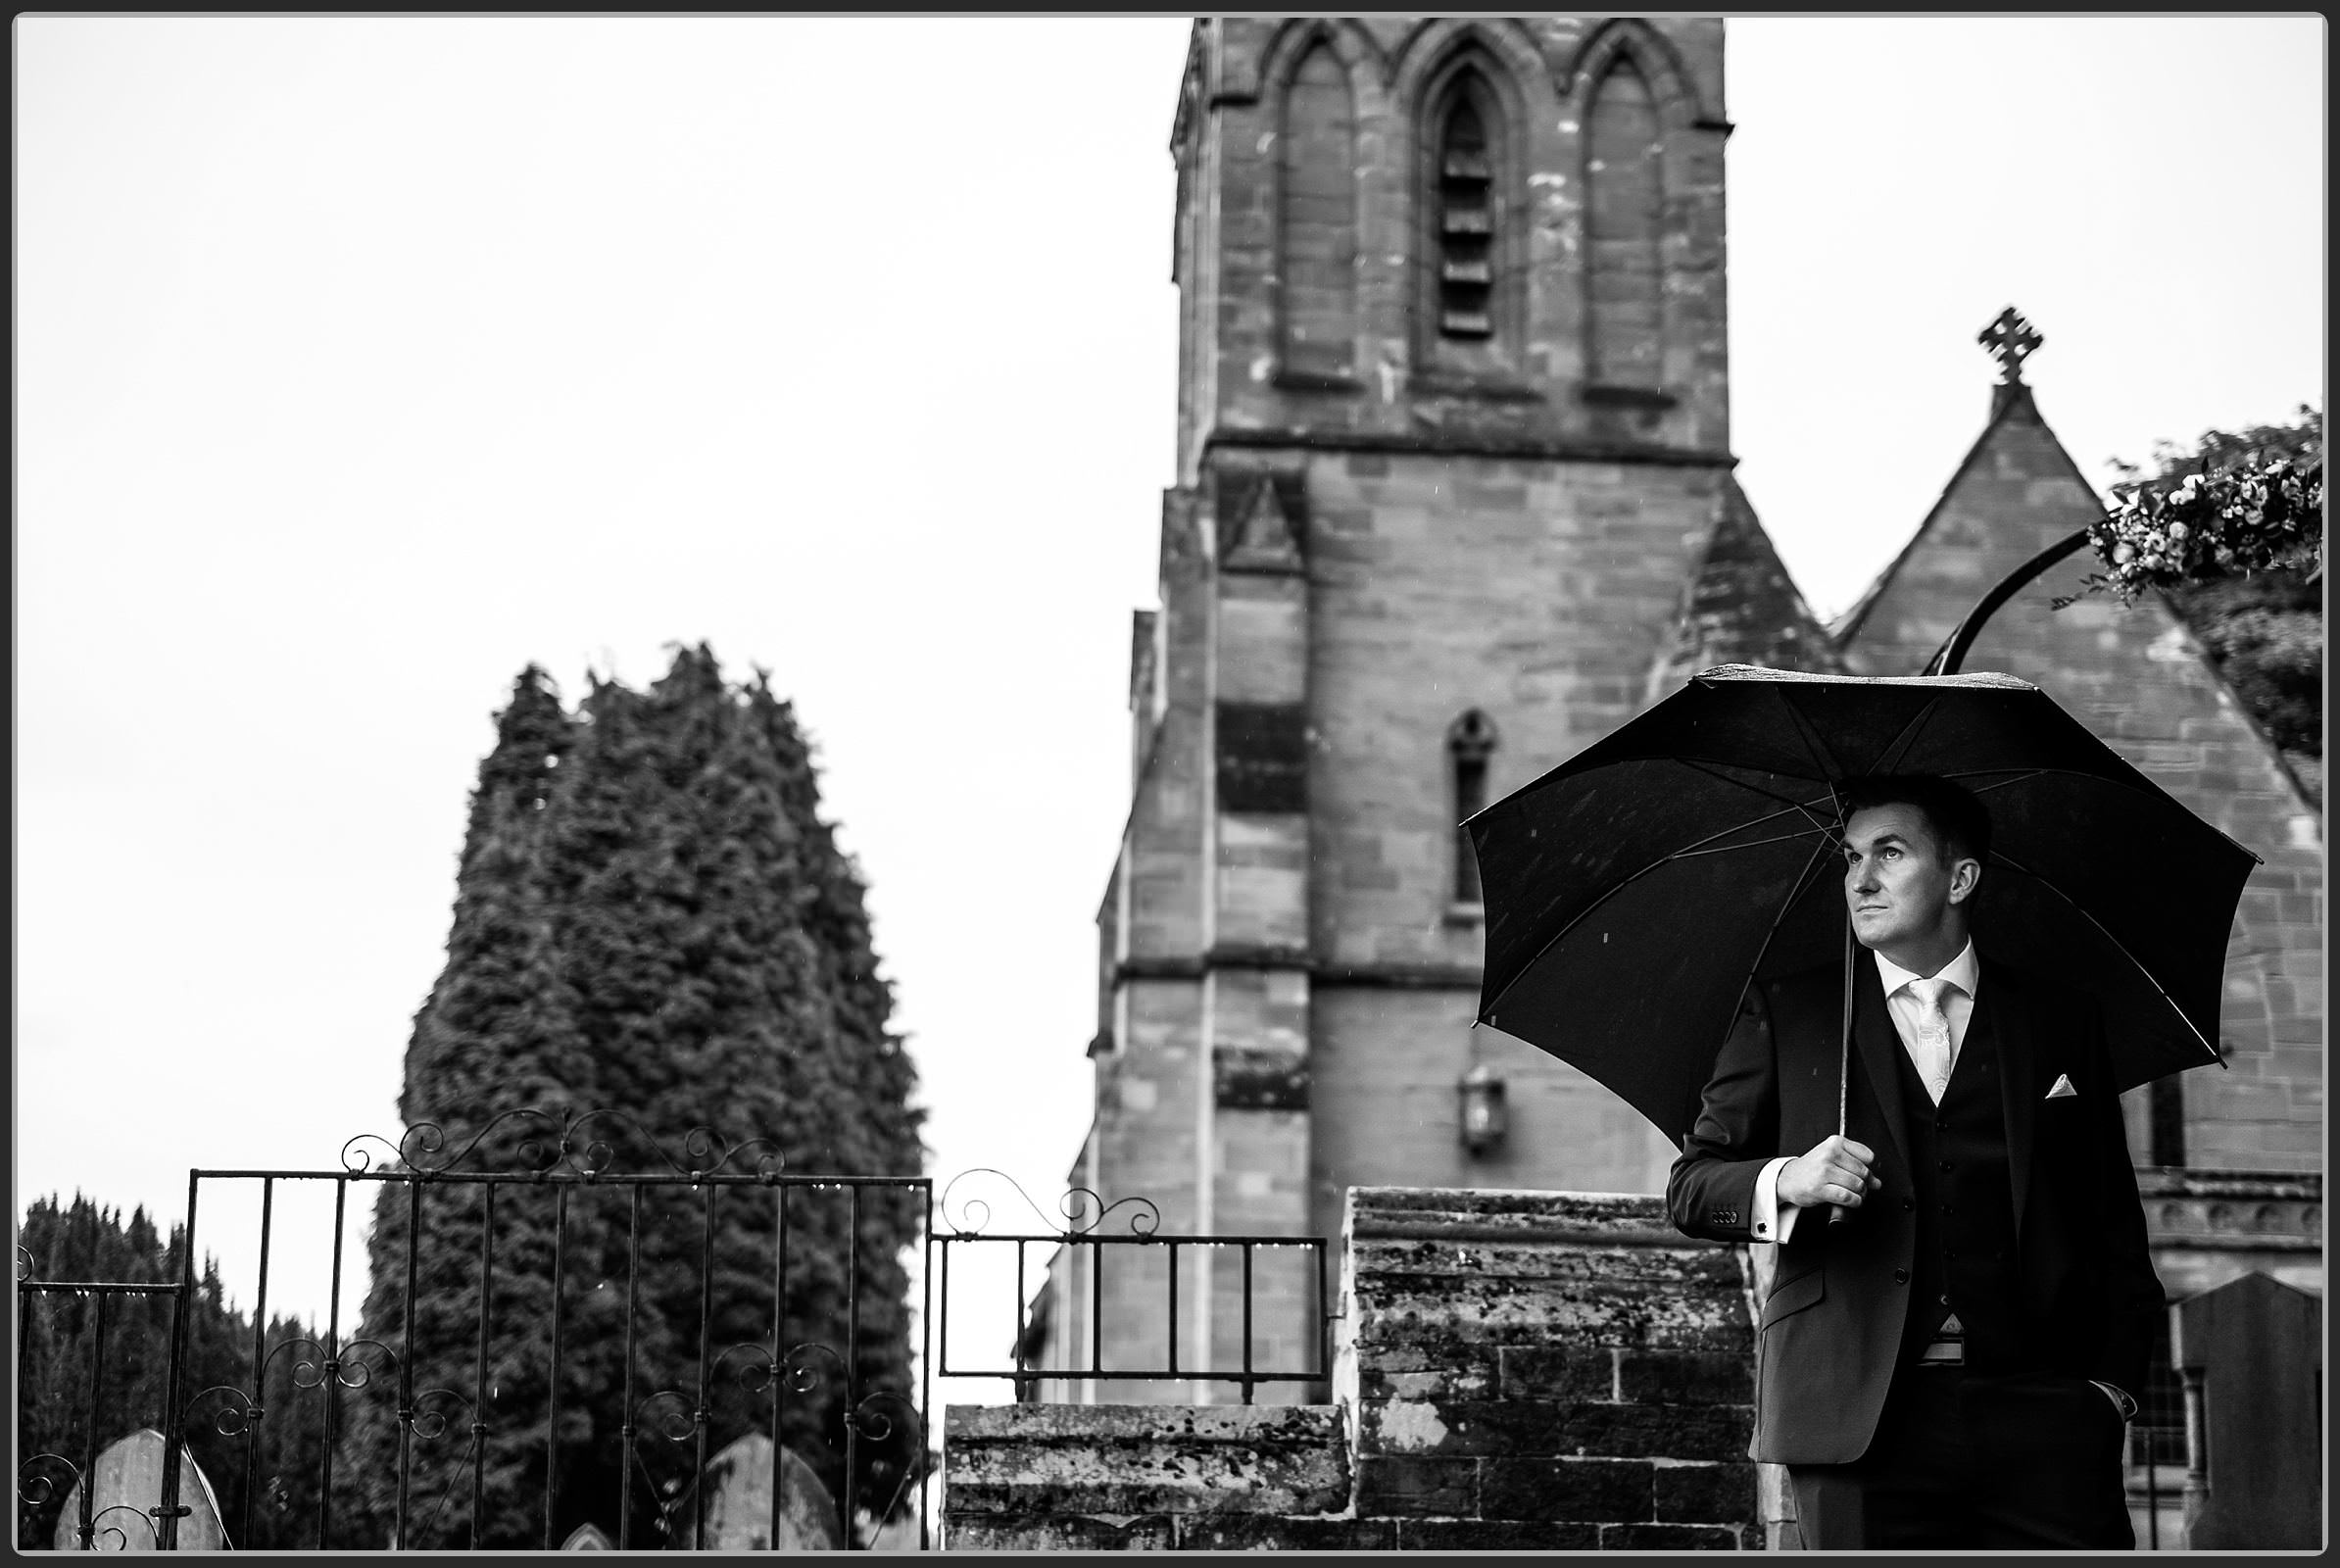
(739, 1504)
(2257, 1345)
(126, 1482)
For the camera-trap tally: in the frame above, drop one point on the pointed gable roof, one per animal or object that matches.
(1741, 607)
(2015, 449)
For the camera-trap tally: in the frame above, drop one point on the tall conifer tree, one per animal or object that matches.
(649, 917)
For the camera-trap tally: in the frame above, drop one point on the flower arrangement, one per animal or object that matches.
(2237, 504)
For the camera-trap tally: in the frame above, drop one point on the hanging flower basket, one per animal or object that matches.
(2264, 511)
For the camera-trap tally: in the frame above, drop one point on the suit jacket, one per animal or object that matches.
(1830, 1330)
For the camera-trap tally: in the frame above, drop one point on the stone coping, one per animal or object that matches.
(1514, 1216)
(2263, 1185)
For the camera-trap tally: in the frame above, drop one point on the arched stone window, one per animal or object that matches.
(1466, 219)
(1625, 278)
(1317, 218)
(1469, 301)
(1471, 741)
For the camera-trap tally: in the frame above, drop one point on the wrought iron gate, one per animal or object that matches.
(565, 1321)
(525, 1238)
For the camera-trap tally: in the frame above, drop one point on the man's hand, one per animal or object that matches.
(1835, 1171)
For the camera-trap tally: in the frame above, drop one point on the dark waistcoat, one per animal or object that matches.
(1966, 1254)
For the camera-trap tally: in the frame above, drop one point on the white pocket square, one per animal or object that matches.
(2061, 1088)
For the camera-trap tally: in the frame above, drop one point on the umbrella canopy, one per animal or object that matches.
(1633, 892)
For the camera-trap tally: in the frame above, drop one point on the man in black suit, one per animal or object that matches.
(1952, 1344)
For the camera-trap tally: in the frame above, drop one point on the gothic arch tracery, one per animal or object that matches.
(1651, 53)
(1315, 109)
(1469, 133)
(1427, 50)
(1625, 213)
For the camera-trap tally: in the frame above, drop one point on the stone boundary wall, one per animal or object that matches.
(1546, 1371)
(1137, 1477)
(1517, 1372)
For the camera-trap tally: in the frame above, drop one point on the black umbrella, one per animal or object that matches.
(1633, 892)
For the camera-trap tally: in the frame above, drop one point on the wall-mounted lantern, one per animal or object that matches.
(1486, 1120)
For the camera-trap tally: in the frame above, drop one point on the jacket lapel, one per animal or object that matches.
(1879, 1049)
(2009, 1021)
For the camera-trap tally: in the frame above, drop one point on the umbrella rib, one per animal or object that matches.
(1711, 770)
(1804, 880)
(1899, 746)
(1755, 844)
(2151, 792)
(1815, 743)
(2120, 946)
(1667, 859)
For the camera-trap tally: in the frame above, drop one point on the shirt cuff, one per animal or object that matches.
(1771, 1225)
(2122, 1401)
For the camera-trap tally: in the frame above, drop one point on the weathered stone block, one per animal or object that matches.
(1706, 1493)
(1592, 1489)
(1407, 1485)
(1470, 1375)
(1669, 1538)
(1525, 1427)
(1686, 1377)
(1504, 1314)
(1558, 1372)
(1268, 1532)
(1140, 1459)
(1056, 1531)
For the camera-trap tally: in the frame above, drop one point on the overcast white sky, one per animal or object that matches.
(361, 362)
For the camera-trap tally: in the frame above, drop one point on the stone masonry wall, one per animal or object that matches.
(1518, 1371)
(1546, 1371)
(1139, 1477)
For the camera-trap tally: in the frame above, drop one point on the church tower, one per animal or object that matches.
(1454, 448)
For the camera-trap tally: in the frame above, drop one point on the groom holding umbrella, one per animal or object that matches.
(1951, 1346)
(1889, 948)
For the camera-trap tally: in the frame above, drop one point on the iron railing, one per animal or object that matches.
(45, 1477)
(553, 1258)
(1084, 1236)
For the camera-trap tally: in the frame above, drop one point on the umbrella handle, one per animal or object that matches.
(1844, 1037)
(1844, 1051)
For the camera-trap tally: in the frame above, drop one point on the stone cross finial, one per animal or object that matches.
(2011, 340)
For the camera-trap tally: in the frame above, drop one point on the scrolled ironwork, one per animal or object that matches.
(35, 1490)
(430, 1424)
(121, 1535)
(25, 1263)
(690, 1414)
(238, 1415)
(559, 1144)
(873, 1424)
(751, 1374)
(801, 1376)
(974, 1214)
(344, 1366)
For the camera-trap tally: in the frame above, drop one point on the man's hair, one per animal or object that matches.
(1960, 824)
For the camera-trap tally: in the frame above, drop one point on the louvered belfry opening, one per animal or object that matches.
(1466, 222)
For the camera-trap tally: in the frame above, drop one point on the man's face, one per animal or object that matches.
(1895, 882)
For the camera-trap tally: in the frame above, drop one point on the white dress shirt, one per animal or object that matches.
(1963, 975)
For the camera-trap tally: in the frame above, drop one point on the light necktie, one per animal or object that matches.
(1933, 1035)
